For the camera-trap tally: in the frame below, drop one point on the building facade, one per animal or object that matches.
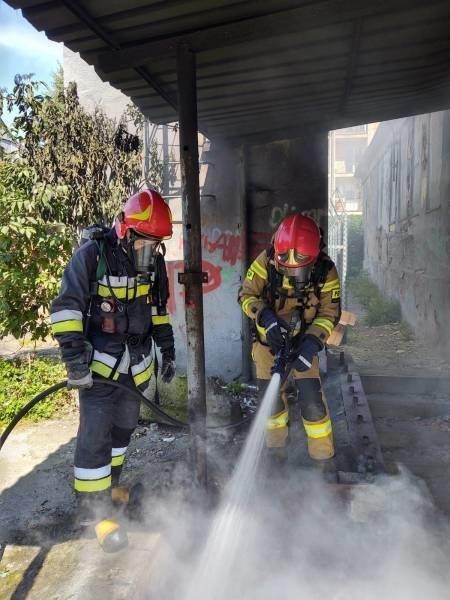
(406, 205)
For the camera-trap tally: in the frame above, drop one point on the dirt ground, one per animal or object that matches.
(387, 350)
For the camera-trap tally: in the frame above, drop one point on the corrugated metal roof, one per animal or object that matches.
(265, 69)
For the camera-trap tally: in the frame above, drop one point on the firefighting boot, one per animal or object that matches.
(111, 535)
(94, 513)
(128, 501)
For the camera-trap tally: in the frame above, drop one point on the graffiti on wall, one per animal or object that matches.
(223, 250)
(224, 242)
(278, 213)
(177, 290)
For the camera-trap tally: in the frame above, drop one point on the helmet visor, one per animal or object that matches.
(300, 274)
(293, 258)
(144, 252)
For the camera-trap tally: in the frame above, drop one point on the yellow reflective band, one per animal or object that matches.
(286, 285)
(94, 485)
(261, 331)
(144, 376)
(246, 302)
(324, 324)
(320, 430)
(103, 370)
(258, 269)
(67, 326)
(278, 421)
(160, 319)
(331, 285)
(142, 216)
(121, 292)
(117, 461)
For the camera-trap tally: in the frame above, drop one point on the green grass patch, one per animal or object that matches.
(380, 310)
(23, 378)
(172, 397)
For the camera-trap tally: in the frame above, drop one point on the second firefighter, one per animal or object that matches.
(294, 275)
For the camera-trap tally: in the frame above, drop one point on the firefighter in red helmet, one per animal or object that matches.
(111, 310)
(294, 276)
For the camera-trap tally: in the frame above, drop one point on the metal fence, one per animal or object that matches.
(338, 239)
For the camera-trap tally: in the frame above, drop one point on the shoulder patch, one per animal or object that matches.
(250, 274)
(335, 294)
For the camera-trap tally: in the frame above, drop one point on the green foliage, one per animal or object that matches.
(22, 379)
(235, 388)
(380, 310)
(33, 252)
(355, 238)
(97, 161)
(72, 168)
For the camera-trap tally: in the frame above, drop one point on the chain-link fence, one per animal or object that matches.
(338, 240)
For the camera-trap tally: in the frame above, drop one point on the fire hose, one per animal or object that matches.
(134, 392)
(280, 367)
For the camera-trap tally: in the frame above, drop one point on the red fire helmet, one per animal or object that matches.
(296, 244)
(147, 214)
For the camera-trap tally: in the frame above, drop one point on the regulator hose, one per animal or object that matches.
(134, 392)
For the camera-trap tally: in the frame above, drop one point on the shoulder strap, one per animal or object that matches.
(160, 288)
(321, 270)
(101, 262)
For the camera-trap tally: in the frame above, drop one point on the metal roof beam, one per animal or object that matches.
(312, 15)
(82, 14)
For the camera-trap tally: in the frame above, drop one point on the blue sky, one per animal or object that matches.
(23, 49)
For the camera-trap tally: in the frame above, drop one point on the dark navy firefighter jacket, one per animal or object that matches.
(135, 316)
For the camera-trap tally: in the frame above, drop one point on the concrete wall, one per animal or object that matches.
(221, 197)
(406, 192)
(283, 178)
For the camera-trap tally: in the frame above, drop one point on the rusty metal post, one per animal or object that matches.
(243, 230)
(193, 277)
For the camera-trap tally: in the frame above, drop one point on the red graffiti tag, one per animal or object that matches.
(177, 290)
(229, 244)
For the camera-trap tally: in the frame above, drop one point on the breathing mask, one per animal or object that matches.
(142, 251)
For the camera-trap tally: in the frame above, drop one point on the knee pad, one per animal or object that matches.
(310, 397)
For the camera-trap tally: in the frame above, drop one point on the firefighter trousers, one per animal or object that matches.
(108, 417)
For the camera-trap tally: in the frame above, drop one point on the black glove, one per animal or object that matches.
(77, 358)
(274, 336)
(168, 367)
(302, 359)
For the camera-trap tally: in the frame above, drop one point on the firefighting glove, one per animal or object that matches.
(77, 358)
(274, 336)
(168, 367)
(302, 359)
